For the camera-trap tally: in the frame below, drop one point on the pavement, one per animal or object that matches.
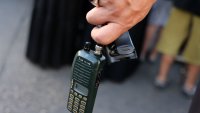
(27, 88)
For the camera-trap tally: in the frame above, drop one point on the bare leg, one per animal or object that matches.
(151, 30)
(192, 76)
(166, 62)
(153, 55)
(154, 52)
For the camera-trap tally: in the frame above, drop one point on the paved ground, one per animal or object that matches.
(26, 88)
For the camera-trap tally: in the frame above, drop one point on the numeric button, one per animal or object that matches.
(75, 111)
(81, 111)
(71, 96)
(75, 93)
(80, 96)
(75, 107)
(71, 100)
(76, 103)
(77, 99)
(84, 98)
(83, 103)
(82, 107)
(70, 108)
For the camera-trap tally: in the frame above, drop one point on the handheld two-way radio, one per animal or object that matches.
(86, 69)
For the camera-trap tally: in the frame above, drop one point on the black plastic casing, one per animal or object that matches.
(86, 69)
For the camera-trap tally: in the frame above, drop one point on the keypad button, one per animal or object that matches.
(82, 106)
(75, 107)
(69, 107)
(83, 103)
(71, 91)
(75, 111)
(84, 98)
(77, 99)
(80, 96)
(70, 103)
(81, 111)
(76, 103)
(71, 96)
(76, 94)
(70, 100)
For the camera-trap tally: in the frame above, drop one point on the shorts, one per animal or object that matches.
(180, 24)
(160, 12)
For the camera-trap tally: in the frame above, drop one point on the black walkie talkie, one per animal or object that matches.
(86, 68)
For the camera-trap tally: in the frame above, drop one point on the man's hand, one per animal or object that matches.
(117, 17)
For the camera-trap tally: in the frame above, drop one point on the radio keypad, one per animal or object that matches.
(76, 102)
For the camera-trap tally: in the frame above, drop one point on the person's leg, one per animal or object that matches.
(150, 32)
(171, 39)
(166, 62)
(153, 54)
(192, 56)
(189, 86)
(191, 77)
(154, 22)
(165, 9)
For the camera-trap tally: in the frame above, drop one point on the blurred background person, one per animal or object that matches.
(183, 23)
(156, 21)
(56, 32)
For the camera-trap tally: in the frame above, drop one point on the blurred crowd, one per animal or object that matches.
(173, 32)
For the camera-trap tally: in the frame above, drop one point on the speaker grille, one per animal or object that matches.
(82, 71)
